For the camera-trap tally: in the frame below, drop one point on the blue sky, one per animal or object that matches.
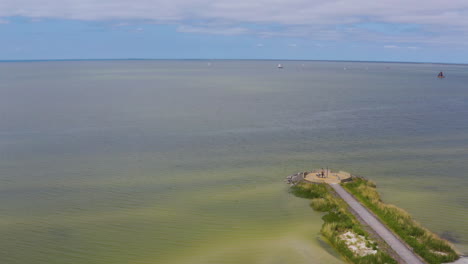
(396, 30)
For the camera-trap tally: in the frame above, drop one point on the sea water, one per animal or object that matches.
(184, 161)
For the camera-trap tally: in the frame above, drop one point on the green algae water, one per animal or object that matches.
(184, 161)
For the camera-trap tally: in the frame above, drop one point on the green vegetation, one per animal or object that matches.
(338, 221)
(425, 243)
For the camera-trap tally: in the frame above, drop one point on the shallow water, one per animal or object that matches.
(182, 162)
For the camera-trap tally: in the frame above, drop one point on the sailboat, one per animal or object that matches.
(441, 75)
(280, 66)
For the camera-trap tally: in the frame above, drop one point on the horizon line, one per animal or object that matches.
(206, 59)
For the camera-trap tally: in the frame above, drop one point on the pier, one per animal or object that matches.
(397, 247)
(400, 248)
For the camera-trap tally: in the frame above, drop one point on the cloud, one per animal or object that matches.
(400, 47)
(300, 12)
(213, 30)
(121, 24)
(437, 22)
(259, 45)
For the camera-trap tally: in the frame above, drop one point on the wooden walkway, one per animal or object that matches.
(408, 256)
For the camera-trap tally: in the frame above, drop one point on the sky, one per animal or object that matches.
(364, 30)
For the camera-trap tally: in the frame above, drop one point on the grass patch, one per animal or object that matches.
(338, 221)
(426, 244)
(309, 191)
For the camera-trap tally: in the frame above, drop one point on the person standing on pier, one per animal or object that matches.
(323, 173)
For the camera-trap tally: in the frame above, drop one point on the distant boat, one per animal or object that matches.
(280, 66)
(441, 75)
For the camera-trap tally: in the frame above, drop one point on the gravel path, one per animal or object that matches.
(401, 249)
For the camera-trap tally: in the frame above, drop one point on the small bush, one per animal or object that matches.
(320, 204)
(309, 191)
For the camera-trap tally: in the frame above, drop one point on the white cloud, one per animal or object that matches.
(400, 47)
(444, 22)
(121, 24)
(301, 12)
(259, 45)
(213, 30)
